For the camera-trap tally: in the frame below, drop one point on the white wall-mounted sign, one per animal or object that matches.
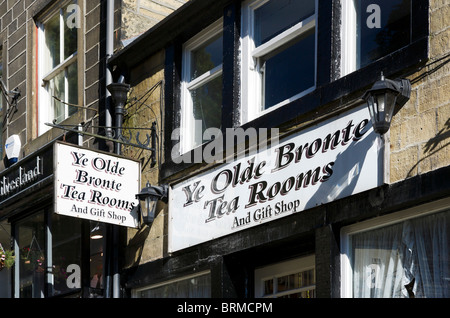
(334, 159)
(96, 186)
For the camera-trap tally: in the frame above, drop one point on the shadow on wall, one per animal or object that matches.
(135, 247)
(435, 145)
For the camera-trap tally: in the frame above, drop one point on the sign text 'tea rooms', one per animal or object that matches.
(337, 158)
(96, 186)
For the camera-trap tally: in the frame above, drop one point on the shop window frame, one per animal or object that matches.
(85, 228)
(282, 269)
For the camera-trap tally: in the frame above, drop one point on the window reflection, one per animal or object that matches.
(296, 285)
(274, 17)
(66, 267)
(288, 71)
(31, 260)
(207, 56)
(207, 107)
(96, 282)
(394, 31)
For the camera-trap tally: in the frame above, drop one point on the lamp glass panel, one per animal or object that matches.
(380, 98)
(390, 101)
(148, 208)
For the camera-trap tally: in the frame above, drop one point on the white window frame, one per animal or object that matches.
(251, 80)
(349, 39)
(379, 222)
(187, 136)
(44, 109)
(282, 269)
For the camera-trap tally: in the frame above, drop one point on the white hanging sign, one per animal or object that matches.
(339, 157)
(96, 186)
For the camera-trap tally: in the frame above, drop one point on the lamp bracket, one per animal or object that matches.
(405, 91)
(14, 94)
(120, 139)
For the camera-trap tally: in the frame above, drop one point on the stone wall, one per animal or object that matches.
(420, 131)
(144, 108)
(140, 15)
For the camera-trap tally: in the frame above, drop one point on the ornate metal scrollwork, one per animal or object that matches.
(133, 140)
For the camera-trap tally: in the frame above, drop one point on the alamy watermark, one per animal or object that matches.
(73, 280)
(73, 19)
(236, 143)
(373, 21)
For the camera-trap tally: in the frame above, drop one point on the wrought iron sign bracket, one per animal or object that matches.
(120, 139)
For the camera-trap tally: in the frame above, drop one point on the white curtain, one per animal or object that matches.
(408, 259)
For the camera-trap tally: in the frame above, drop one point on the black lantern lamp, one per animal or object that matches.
(382, 99)
(148, 198)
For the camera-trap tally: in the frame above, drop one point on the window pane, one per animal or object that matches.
(72, 79)
(206, 57)
(52, 41)
(96, 260)
(207, 107)
(392, 33)
(268, 287)
(70, 34)
(277, 16)
(32, 264)
(56, 89)
(289, 72)
(66, 240)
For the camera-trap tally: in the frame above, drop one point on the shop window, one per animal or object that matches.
(52, 256)
(97, 242)
(31, 262)
(57, 65)
(196, 286)
(5, 272)
(278, 54)
(372, 30)
(291, 279)
(404, 258)
(65, 264)
(202, 85)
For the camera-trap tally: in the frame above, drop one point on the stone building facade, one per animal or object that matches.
(179, 247)
(54, 79)
(319, 213)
